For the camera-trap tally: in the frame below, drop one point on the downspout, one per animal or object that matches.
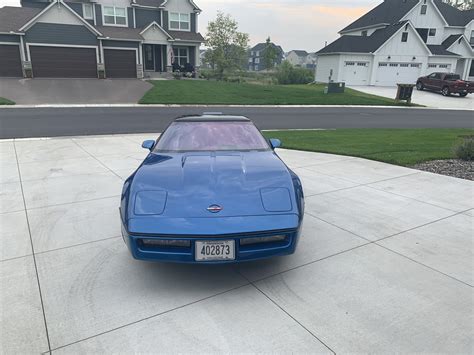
(134, 19)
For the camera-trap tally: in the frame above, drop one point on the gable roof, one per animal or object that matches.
(391, 11)
(13, 18)
(439, 49)
(33, 20)
(186, 36)
(263, 45)
(448, 42)
(193, 4)
(300, 53)
(388, 12)
(454, 16)
(361, 44)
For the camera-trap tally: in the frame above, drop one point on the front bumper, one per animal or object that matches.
(187, 254)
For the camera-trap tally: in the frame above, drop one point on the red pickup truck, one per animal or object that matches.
(446, 83)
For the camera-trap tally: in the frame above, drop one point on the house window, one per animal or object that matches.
(472, 38)
(250, 60)
(393, 64)
(181, 56)
(424, 8)
(256, 68)
(415, 65)
(257, 53)
(404, 65)
(251, 53)
(350, 63)
(432, 32)
(87, 11)
(364, 33)
(179, 21)
(383, 64)
(361, 64)
(444, 66)
(405, 37)
(115, 16)
(432, 65)
(257, 60)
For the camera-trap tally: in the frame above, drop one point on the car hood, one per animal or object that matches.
(186, 185)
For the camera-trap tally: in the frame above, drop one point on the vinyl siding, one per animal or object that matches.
(144, 17)
(119, 44)
(193, 22)
(98, 14)
(130, 17)
(76, 7)
(60, 34)
(9, 38)
(165, 20)
(34, 3)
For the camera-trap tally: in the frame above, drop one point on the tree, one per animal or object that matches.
(270, 54)
(227, 46)
(461, 4)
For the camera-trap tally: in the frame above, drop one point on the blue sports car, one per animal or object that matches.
(212, 190)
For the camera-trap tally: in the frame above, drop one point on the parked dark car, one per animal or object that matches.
(446, 83)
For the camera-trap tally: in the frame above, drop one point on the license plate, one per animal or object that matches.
(215, 250)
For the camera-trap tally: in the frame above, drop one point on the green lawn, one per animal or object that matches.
(224, 93)
(6, 101)
(396, 146)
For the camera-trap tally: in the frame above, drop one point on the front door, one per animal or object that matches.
(149, 54)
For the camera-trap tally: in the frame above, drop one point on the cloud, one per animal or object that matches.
(306, 24)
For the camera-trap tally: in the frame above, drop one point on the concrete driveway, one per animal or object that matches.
(73, 91)
(426, 98)
(384, 263)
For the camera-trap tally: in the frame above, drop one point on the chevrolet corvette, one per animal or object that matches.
(211, 190)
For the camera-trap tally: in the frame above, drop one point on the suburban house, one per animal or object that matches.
(98, 39)
(256, 56)
(399, 41)
(301, 58)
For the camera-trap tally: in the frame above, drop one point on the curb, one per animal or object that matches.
(7, 107)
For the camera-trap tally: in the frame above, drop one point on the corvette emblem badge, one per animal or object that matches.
(214, 208)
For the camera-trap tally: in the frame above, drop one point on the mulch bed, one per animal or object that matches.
(454, 167)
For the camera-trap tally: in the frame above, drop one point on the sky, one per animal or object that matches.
(297, 24)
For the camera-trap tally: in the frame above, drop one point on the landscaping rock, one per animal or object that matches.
(454, 167)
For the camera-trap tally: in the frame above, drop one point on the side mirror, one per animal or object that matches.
(275, 143)
(148, 145)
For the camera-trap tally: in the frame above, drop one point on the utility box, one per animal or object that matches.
(336, 88)
(404, 92)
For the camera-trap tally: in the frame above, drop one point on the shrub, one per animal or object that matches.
(177, 75)
(288, 74)
(465, 149)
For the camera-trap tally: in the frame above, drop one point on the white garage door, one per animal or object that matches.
(356, 73)
(439, 68)
(391, 74)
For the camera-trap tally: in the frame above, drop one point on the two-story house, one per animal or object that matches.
(301, 58)
(98, 38)
(256, 61)
(399, 41)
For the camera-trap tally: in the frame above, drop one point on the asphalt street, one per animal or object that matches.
(54, 122)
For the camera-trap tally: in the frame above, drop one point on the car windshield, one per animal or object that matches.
(452, 77)
(211, 136)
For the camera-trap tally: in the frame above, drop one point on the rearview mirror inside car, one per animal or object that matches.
(148, 145)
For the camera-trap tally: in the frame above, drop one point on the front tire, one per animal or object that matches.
(463, 94)
(445, 91)
(420, 86)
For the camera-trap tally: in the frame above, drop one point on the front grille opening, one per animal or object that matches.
(164, 243)
(263, 240)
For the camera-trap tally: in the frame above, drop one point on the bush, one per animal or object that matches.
(288, 74)
(465, 150)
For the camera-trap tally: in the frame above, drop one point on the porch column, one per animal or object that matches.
(197, 59)
(169, 57)
(467, 69)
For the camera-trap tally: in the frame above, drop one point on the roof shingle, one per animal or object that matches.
(13, 18)
(120, 32)
(439, 49)
(361, 44)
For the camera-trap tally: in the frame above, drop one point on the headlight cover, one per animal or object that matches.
(148, 203)
(276, 199)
